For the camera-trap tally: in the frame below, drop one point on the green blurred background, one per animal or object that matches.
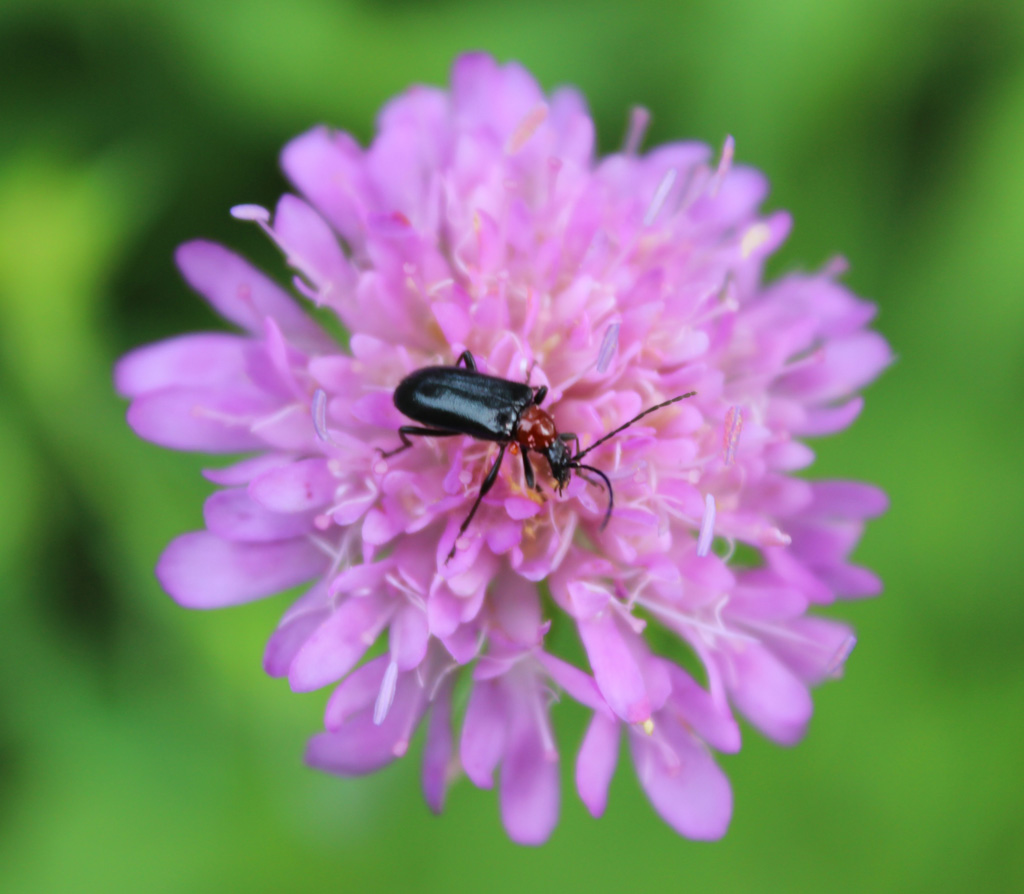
(142, 748)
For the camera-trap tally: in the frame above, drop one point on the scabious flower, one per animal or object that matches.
(479, 219)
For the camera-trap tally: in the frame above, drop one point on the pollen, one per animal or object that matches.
(754, 238)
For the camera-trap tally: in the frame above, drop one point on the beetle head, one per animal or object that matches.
(560, 462)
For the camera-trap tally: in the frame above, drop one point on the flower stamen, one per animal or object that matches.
(527, 128)
(731, 437)
(707, 526)
(609, 344)
(639, 118)
(660, 194)
(386, 695)
(724, 164)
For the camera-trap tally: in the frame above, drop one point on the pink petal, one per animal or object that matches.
(354, 750)
(243, 295)
(437, 750)
(285, 642)
(455, 322)
(310, 243)
(463, 644)
(529, 789)
(588, 600)
(615, 669)
(201, 570)
(327, 168)
(580, 686)
(298, 487)
(444, 612)
(827, 420)
(339, 642)
(516, 606)
(595, 763)
(813, 648)
(846, 365)
(771, 696)
(409, 637)
(234, 515)
(483, 733)
(211, 421)
(847, 500)
(247, 469)
(709, 719)
(360, 745)
(682, 781)
(494, 96)
(186, 361)
(355, 693)
(852, 581)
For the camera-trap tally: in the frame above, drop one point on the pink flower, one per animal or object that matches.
(480, 220)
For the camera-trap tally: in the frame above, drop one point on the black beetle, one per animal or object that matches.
(451, 400)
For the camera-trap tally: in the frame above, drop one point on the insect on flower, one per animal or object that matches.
(481, 218)
(461, 400)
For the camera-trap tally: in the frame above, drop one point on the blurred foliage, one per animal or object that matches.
(141, 748)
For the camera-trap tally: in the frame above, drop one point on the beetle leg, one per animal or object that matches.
(540, 394)
(467, 358)
(531, 482)
(570, 436)
(407, 430)
(492, 476)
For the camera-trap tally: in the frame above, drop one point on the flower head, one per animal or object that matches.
(479, 220)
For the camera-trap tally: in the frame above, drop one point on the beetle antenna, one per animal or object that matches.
(614, 432)
(608, 484)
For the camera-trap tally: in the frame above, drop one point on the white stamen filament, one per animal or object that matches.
(546, 738)
(328, 549)
(276, 417)
(527, 128)
(660, 194)
(835, 665)
(774, 537)
(624, 610)
(756, 381)
(256, 213)
(707, 527)
(639, 118)
(565, 536)
(733, 427)
(716, 630)
(318, 407)
(609, 344)
(730, 549)
(668, 753)
(436, 287)
(261, 216)
(403, 587)
(724, 164)
(386, 695)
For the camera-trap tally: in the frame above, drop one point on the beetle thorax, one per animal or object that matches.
(536, 428)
